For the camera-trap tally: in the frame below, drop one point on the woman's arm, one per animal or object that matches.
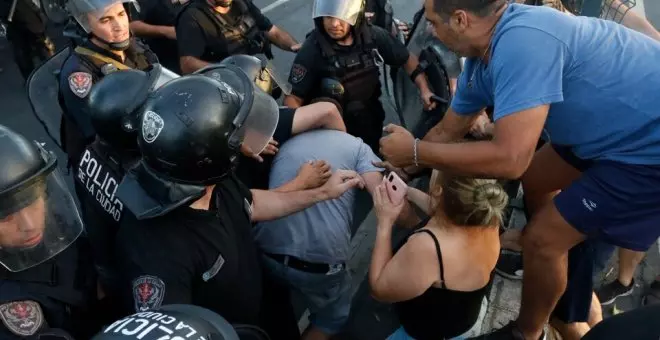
(407, 274)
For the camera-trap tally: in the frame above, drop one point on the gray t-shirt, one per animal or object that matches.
(320, 233)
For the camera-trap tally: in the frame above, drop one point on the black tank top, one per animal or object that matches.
(440, 313)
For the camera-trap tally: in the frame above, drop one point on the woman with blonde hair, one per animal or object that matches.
(438, 279)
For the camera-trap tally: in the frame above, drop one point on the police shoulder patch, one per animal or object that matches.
(80, 83)
(22, 318)
(148, 292)
(298, 73)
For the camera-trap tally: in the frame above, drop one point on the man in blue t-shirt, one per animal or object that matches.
(588, 87)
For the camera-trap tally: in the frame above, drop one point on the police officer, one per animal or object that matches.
(108, 47)
(322, 114)
(193, 240)
(46, 279)
(103, 165)
(342, 56)
(27, 30)
(216, 29)
(155, 23)
(177, 322)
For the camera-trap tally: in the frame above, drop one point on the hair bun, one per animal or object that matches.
(491, 195)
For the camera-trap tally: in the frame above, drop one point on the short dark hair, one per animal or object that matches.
(481, 8)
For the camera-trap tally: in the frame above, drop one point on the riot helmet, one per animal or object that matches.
(222, 3)
(80, 10)
(171, 322)
(113, 114)
(350, 11)
(191, 132)
(38, 216)
(260, 70)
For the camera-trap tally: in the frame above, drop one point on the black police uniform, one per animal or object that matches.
(211, 36)
(37, 296)
(78, 74)
(55, 294)
(161, 13)
(205, 258)
(97, 176)
(28, 33)
(356, 67)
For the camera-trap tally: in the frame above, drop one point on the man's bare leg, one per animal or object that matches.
(546, 241)
(547, 174)
(595, 312)
(628, 262)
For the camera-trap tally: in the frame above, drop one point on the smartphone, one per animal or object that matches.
(396, 187)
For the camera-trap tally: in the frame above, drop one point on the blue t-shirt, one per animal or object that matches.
(602, 82)
(322, 232)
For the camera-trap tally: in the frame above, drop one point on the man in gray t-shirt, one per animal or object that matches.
(308, 250)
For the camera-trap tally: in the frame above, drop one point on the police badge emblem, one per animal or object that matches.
(80, 83)
(298, 73)
(148, 292)
(22, 318)
(152, 124)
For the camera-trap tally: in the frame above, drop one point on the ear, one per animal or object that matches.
(459, 20)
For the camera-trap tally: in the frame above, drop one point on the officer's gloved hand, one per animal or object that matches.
(52, 334)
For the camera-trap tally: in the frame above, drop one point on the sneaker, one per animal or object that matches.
(510, 264)
(508, 332)
(608, 293)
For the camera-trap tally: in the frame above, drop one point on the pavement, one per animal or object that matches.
(369, 319)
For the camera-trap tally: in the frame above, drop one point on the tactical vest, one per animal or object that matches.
(358, 71)
(72, 138)
(244, 37)
(64, 286)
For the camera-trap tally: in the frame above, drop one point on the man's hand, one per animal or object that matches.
(429, 104)
(397, 147)
(340, 182)
(295, 48)
(482, 127)
(313, 174)
(271, 149)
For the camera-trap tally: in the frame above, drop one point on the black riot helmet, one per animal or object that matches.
(170, 322)
(38, 216)
(350, 11)
(190, 135)
(115, 115)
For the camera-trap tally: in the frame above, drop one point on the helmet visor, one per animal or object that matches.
(97, 8)
(346, 10)
(260, 124)
(38, 222)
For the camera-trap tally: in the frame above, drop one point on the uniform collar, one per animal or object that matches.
(90, 45)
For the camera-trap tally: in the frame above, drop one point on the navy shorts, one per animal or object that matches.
(613, 204)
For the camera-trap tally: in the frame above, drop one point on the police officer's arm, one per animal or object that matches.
(303, 76)
(75, 84)
(193, 46)
(276, 35)
(269, 205)
(139, 24)
(395, 53)
(144, 30)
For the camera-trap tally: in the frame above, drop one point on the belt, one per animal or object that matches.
(309, 267)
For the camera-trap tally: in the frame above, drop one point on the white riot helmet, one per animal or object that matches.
(350, 11)
(79, 9)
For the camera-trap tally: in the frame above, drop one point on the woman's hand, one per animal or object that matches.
(386, 210)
